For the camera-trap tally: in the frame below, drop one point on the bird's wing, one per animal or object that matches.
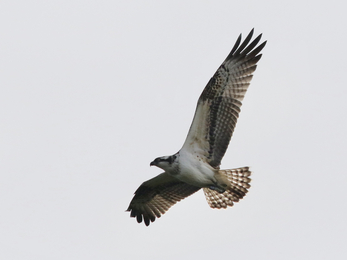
(155, 196)
(219, 104)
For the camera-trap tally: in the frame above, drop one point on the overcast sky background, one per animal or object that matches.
(92, 91)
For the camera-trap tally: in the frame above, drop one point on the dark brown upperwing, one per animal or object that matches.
(155, 196)
(224, 93)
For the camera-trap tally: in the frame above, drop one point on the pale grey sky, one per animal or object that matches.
(92, 91)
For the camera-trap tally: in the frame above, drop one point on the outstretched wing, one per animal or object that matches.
(155, 196)
(219, 104)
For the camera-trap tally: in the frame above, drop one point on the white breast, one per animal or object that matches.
(193, 170)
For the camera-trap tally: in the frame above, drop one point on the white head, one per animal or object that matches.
(164, 162)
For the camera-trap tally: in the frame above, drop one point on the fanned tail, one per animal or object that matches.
(239, 183)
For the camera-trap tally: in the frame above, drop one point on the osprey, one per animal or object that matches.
(196, 165)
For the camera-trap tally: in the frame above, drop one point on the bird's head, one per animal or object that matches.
(164, 162)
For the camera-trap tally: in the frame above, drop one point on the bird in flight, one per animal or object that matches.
(197, 164)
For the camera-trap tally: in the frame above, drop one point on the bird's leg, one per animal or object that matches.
(218, 189)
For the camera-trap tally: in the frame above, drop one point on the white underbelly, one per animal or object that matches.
(195, 172)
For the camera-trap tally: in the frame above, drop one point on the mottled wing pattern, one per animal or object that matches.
(219, 104)
(239, 179)
(155, 196)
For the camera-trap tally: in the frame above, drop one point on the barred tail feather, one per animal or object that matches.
(239, 183)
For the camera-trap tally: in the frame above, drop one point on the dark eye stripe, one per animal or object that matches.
(170, 159)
